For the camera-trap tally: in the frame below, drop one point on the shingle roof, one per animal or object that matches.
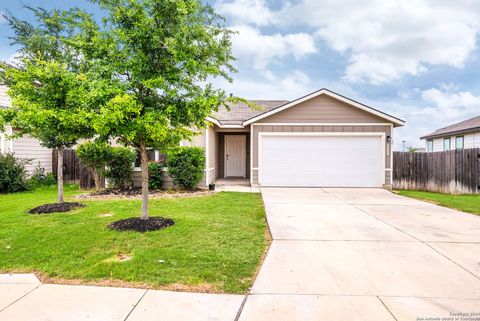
(241, 112)
(5, 100)
(457, 128)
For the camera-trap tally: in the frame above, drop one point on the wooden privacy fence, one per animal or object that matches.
(73, 170)
(454, 171)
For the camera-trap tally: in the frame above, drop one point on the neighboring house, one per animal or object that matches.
(25, 147)
(465, 134)
(321, 139)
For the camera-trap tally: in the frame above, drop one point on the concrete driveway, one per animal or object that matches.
(364, 254)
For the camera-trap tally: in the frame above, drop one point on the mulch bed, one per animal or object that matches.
(55, 208)
(136, 193)
(124, 191)
(137, 224)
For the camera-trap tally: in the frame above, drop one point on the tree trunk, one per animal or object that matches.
(96, 179)
(60, 175)
(144, 166)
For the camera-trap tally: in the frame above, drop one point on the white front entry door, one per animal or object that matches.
(235, 155)
(322, 161)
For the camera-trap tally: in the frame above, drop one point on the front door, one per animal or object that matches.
(235, 155)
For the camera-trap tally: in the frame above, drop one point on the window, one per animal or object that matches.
(459, 142)
(430, 145)
(446, 143)
(153, 156)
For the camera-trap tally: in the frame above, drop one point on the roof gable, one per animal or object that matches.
(350, 102)
(467, 125)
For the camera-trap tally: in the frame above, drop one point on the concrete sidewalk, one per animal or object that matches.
(24, 298)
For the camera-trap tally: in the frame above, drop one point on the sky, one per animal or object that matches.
(415, 59)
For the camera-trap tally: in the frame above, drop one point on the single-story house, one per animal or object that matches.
(321, 139)
(25, 147)
(465, 134)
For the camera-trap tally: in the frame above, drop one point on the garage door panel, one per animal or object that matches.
(334, 161)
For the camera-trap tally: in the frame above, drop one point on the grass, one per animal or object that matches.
(215, 245)
(463, 202)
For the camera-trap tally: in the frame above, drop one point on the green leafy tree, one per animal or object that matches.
(47, 86)
(162, 55)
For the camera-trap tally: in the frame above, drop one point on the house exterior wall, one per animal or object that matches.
(211, 151)
(27, 147)
(470, 140)
(323, 109)
(197, 141)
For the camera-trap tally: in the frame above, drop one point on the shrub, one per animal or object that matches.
(40, 178)
(94, 156)
(120, 166)
(155, 175)
(13, 175)
(186, 166)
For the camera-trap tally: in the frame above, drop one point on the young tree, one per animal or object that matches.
(163, 55)
(47, 86)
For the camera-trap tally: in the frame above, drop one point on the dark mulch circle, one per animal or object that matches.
(55, 208)
(139, 225)
(125, 191)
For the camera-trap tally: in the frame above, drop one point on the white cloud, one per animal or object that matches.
(291, 86)
(451, 106)
(387, 39)
(247, 11)
(383, 40)
(260, 50)
(2, 17)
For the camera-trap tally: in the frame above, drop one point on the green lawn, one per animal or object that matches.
(215, 245)
(465, 203)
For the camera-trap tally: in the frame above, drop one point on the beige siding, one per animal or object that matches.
(211, 151)
(323, 109)
(198, 140)
(334, 128)
(212, 147)
(29, 148)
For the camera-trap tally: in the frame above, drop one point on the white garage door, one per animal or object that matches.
(321, 161)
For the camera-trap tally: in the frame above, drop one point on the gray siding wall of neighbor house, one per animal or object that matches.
(322, 110)
(221, 153)
(29, 148)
